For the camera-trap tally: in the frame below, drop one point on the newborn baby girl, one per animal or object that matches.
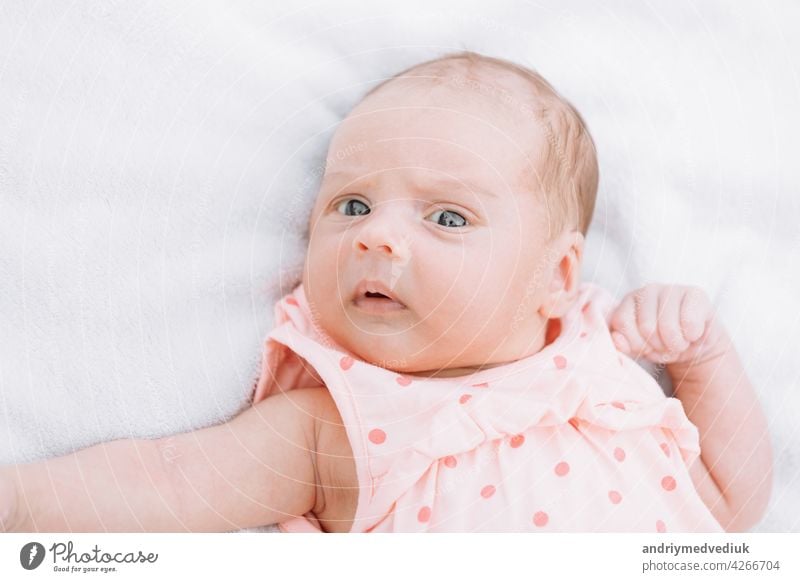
(441, 367)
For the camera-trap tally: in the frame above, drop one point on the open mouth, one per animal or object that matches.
(379, 295)
(369, 299)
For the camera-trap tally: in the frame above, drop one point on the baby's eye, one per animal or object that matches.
(449, 218)
(352, 207)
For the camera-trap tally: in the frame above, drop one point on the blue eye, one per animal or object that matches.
(450, 218)
(352, 207)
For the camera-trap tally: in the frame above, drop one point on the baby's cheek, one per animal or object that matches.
(466, 317)
(322, 259)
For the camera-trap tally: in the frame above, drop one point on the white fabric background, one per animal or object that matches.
(158, 164)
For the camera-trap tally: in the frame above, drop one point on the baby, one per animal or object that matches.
(441, 367)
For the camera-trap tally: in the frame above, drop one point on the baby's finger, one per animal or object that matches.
(669, 320)
(695, 312)
(624, 322)
(646, 300)
(617, 325)
(620, 342)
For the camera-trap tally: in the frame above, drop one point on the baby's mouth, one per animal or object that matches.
(368, 294)
(374, 297)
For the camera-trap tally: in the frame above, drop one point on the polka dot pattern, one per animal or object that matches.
(346, 363)
(424, 514)
(403, 380)
(560, 362)
(377, 436)
(560, 470)
(292, 301)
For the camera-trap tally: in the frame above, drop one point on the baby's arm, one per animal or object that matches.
(256, 469)
(675, 326)
(736, 451)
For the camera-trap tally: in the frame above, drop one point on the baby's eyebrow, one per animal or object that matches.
(463, 184)
(429, 184)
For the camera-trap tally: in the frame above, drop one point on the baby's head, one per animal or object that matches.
(464, 192)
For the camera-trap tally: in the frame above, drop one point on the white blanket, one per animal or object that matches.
(158, 162)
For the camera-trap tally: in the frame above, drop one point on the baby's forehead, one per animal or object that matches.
(450, 103)
(493, 88)
(450, 118)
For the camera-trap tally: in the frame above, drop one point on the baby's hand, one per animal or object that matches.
(669, 324)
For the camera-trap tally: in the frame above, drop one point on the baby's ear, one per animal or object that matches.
(563, 265)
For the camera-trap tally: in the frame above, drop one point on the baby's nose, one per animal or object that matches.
(390, 247)
(383, 239)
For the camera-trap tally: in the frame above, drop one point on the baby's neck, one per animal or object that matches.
(451, 372)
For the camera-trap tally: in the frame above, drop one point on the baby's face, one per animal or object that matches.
(428, 207)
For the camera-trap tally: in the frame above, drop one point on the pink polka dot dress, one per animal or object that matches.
(575, 438)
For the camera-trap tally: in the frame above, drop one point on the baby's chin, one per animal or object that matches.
(407, 349)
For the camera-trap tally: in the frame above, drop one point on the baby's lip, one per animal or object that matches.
(374, 286)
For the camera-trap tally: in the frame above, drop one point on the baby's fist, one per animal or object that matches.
(670, 324)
